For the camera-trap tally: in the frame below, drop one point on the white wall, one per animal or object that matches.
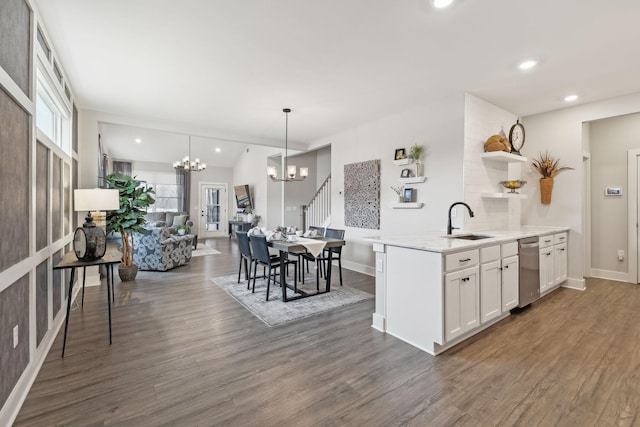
(481, 120)
(610, 141)
(438, 126)
(323, 164)
(561, 133)
(251, 169)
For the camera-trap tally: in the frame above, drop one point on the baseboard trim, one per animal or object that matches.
(12, 406)
(577, 284)
(611, 275)
(378, 322)
(360, 268)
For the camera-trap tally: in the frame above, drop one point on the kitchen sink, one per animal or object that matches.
(470, 237)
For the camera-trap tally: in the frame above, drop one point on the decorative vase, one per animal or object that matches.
(546, 187)
(419, 168)
(182, 232)
(128, 274)
(249, 217)
(400, 198)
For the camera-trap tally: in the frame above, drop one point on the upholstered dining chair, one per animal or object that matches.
(246, 257)
(336, 252)
(306, 257)
(261, 255)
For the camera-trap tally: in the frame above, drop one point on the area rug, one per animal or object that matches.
(275, 312)
(203, 249)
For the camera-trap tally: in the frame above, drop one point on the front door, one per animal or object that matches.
(213, 210)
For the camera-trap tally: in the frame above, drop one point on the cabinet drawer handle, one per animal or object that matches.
(548, 253)
(547, 241)
(561, 238)
(562, 250)
(465, 260)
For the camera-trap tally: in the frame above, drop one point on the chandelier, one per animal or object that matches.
(291, 172)
(187, 164)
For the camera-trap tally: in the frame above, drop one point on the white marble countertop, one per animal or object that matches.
(439, 242)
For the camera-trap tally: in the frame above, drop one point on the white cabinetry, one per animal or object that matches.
(553, 261)
(461, 303)
(510, 282)
(498, 280)
(559, 258)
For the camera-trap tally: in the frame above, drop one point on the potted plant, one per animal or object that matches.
(416, 153)
(134, 199)
(249, 212)
(548, 167)
(183, 229)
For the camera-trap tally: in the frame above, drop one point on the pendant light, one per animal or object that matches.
(291, 171)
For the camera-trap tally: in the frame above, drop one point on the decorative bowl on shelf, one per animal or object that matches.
(513, 185)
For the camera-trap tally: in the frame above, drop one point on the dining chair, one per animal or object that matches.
(336, 252)
(246, 257)
(261, 255)
(305, 255)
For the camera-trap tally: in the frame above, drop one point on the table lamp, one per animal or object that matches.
(90, 241)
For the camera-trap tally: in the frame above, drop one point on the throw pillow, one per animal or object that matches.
(179, 220)
(169, 217)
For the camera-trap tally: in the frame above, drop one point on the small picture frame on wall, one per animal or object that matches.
(406, 173)
(409, 195)
(613, 191)
(400, 154)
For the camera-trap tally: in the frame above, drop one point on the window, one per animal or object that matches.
(164, 185)
(52, 116)
(43, 44)
(57, 71)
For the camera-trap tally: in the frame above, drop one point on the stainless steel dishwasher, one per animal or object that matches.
(529, 290)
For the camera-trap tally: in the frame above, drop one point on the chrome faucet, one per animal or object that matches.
(449, 227)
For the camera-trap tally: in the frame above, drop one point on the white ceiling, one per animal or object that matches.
(165, 147)
(231, 66)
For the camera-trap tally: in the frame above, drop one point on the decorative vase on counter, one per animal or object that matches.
(419, 168)
(546, 187)
(249, 217)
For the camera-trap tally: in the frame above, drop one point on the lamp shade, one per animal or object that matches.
(96, 199)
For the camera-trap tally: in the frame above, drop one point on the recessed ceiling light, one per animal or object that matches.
(439, 4)
(138, 140)
(527, 65)
(217, 149)
(570, 98)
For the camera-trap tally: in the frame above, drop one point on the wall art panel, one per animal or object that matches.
(14, 176)
(362, 194)
(56, 199)
(56, 289)
(42, 195)
(14, 311)
(42, 301)
(15, 31)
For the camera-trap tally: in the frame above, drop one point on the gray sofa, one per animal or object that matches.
(157, 249)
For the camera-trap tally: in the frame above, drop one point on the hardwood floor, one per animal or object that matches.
(185, 353)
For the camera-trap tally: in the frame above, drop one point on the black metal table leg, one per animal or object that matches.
(109, 298)
(328, 271)
(283, 283)
(66, 320)
(84, 277)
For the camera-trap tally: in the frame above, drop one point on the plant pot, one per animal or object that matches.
(249, 217)
(128, 274)
(419, 168)
(546, 187)
(182, 232)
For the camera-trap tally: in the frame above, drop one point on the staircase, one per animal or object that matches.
(318, 211)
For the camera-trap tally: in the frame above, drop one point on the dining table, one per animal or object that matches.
(302, 244)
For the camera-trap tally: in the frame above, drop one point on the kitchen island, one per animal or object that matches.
(434, 291)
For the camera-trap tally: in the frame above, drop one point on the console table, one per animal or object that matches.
(238, 226)
(69, 260)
